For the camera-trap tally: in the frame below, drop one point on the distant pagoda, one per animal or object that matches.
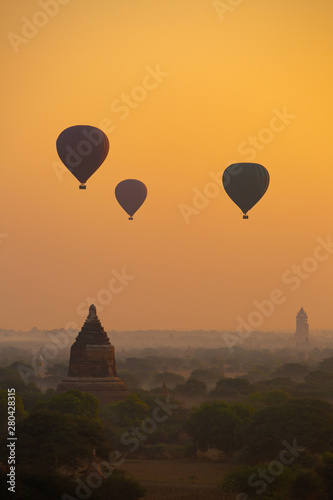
(92, 364)
(302, 327)
(165, 390)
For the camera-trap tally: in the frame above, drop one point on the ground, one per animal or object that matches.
(179, 479)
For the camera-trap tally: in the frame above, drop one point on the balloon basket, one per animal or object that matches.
(245, 216)
(82, 186)
(130, 218)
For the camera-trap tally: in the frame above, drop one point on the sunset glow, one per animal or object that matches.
(182, 89)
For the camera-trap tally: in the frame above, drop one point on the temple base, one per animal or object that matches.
(106, 390)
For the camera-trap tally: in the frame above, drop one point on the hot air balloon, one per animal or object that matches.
(130, 195)
(82, 149)
(245, 184)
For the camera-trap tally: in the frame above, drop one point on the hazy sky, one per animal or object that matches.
(182, 88)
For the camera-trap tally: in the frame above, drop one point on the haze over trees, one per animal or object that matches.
(241, 406)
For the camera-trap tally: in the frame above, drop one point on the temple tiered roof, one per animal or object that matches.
(92, 331)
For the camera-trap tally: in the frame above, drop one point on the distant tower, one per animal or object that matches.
(92, 365)
(302, 327)
(165, 390)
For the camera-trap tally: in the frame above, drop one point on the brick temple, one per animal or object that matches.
(92, 364)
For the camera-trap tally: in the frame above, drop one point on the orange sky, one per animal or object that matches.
(222, 75)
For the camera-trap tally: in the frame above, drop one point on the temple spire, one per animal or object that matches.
(92, 312)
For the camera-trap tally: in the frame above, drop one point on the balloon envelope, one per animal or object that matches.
(82, 149)
(245, 184)
(130, 195)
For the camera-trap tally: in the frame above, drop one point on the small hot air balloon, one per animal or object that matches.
(245, 184)
(82, 149)
(130, 195)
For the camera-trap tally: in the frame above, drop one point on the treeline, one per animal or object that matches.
(62, 450)
(278, 444)
(274, 423)
(149, 368)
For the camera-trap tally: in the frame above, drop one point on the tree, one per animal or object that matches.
(256, 483)
(167, 431)
(232, 363)
(55, 486)
(126, 413)
(319, 377)
(270, 398)
(131, 380)
(318, 384)
(208, 376)
(325, 471)
(73, 402)
(37, 485)
(231, 387)
(19, 412)
(309, 422)
(307, 486)
(276, 384)
(14, 377)
(215, 425)
(243, 411)
(141, 368)
(49, 440)
(326, 365)
(121, 416)
(192, 388)
(295, 371)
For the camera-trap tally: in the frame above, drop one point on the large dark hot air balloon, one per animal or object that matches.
(82, 149)
(245, 184)
(130, 195)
